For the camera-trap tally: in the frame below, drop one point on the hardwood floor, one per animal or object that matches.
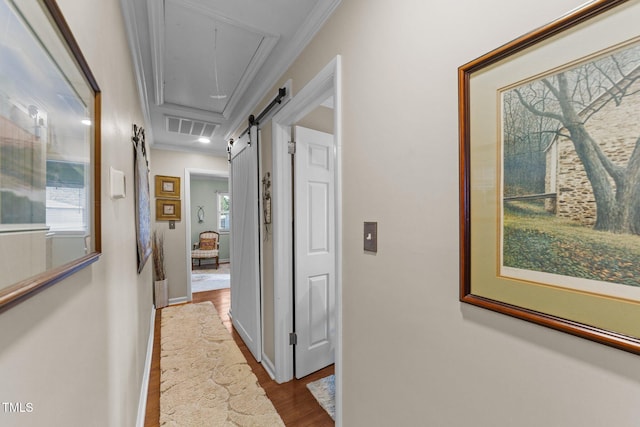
(292, 400)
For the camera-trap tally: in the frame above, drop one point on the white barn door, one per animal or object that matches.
(245, 249)
(315, 251)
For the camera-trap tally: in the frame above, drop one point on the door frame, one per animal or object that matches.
(327, 82)
(188, 172)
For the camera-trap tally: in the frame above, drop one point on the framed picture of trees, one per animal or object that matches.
(550, 176)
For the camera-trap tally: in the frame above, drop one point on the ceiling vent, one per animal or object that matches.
(190, 127)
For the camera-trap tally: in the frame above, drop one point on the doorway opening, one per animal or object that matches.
(322, 88)
(205, 195)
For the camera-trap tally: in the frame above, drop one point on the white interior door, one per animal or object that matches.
(315, 251)
(245, 244)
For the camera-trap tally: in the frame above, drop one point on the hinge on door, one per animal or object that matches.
(293, 338)
(291, 147)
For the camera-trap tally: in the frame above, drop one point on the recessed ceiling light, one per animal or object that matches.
(86, 122)
(204, 140)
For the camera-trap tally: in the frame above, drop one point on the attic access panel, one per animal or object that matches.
(190, 60)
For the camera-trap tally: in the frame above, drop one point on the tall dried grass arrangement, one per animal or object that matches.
(159, 272)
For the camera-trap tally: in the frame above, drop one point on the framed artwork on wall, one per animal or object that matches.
(143, 200)
(167, 187)
(549, 171)
(49, 152)
(168, 210)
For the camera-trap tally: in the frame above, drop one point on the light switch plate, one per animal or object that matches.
(118, 187)
(172, 225)
(371, 236)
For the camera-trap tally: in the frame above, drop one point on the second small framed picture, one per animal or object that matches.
(167, 187)
(168, 210)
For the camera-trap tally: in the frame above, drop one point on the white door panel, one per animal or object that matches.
(245, 255)
(318, 309)
(314, 251)
(318, 193)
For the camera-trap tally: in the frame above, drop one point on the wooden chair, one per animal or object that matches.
(208, 247)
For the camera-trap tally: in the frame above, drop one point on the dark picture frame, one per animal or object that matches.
(43, 67)
(578, 303)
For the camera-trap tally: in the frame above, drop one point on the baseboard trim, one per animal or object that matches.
(268, 366)
(180, 300)
(144, 387)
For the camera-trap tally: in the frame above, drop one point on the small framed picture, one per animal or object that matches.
(168, 210)
(167, 187)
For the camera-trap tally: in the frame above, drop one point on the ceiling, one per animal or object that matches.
(204, 65)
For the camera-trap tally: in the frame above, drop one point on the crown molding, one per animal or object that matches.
(312, 24)
(155, 12)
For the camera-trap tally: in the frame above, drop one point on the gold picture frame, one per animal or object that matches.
(168, 210)
(508, 84)
(167, 187)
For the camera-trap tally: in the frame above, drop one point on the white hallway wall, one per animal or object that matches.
(414, 355)
(76, 351)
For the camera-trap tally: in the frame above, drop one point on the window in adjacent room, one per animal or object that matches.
(223, 212)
